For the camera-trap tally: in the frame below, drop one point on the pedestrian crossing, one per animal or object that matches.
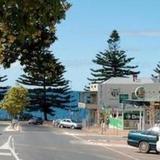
(8, 149)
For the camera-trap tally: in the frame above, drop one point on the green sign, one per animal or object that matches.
(123, 97)
(116, 123)
(134, 115)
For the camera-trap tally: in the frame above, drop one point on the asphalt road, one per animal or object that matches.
(47, 143)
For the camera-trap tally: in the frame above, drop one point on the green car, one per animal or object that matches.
(144, 140)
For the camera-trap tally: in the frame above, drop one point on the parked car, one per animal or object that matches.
(68, 123)
(144, 140)
(35, 120)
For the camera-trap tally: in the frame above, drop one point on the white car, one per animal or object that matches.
(156, 129)
(68, 123)
(158, 145)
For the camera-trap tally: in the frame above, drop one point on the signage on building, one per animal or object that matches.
(140, 92)
(123, 97)
(131, 115)
(134, 96)
(115, 92)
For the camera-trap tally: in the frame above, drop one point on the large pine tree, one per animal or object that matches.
(46, 73)
(156, 76)
(3, 78)
(113, 62)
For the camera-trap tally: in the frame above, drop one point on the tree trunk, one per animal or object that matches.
(45, 115)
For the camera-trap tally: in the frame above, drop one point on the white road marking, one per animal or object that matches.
(5, 154)
(107, 146)
(73, 135)
(121, 153)
(9, 145)
(11, 129)
(90, 142)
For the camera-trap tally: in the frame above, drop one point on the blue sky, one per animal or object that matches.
(87, 27)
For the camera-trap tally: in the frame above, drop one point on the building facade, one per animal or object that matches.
(88, 100)
(136, 101)
(114, 91)
(131, 102)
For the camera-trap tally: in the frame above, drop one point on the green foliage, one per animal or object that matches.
(15, 100)
(44, 71)
(3, 91)
(157, 72)
(113, 62)
(87, 88)
(27, 26)
(3, 78)
(104, 114)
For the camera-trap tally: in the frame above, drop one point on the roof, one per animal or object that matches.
(124, 80)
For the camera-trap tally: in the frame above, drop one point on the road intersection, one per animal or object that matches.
(41, 142)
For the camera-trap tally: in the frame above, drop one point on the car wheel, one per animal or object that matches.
(144, 147)
(72, 127)
(61, 126)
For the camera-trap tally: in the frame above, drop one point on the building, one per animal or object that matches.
(136, 100)
(69, 109)
(113, 91)
(88, 100)
(131, 103)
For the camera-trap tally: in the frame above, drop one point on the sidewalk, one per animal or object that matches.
(10, 128)
(111, 136)
(93, 135)
(108, 131)
(5, 122)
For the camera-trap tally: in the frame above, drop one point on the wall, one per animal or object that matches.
(109, 94)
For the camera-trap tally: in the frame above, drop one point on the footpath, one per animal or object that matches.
(108, 131)
(109, 136)
(94, 134)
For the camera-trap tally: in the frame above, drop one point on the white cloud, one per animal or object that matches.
(142, 33)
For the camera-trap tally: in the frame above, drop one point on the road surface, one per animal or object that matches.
(47, 143)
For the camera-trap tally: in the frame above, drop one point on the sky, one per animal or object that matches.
(86, 29)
